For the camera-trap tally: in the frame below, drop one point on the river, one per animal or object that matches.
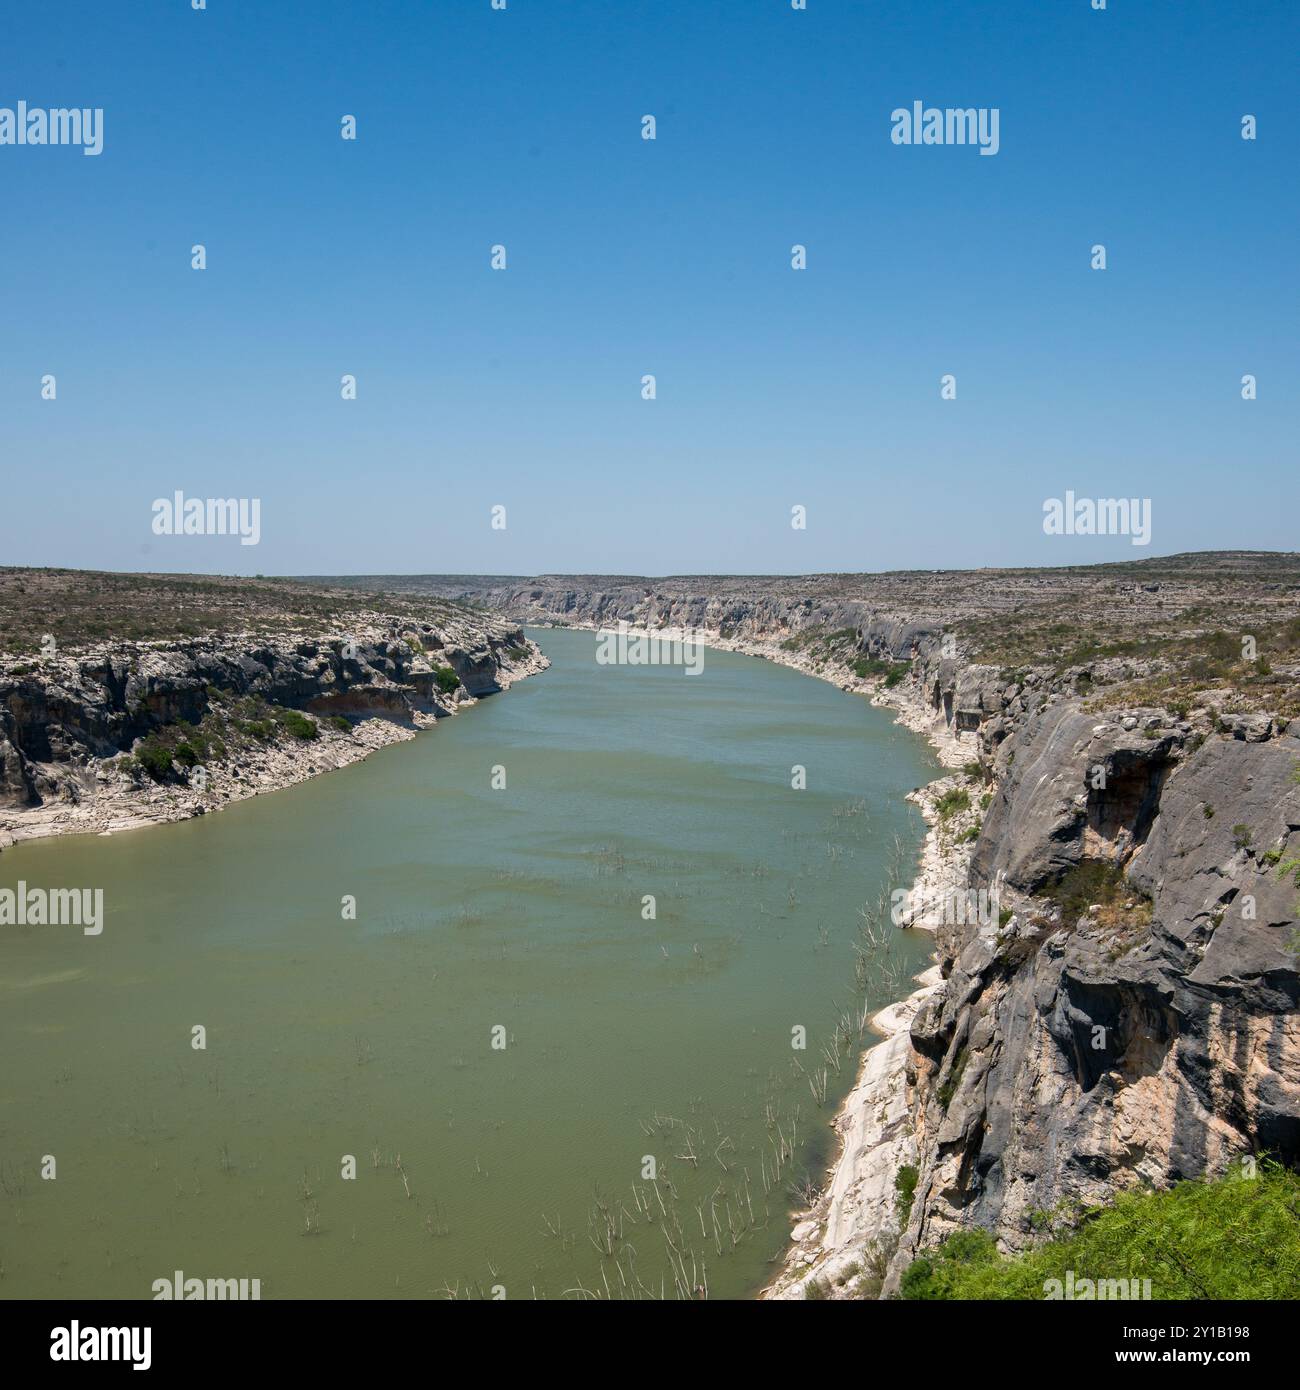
(576, 1095)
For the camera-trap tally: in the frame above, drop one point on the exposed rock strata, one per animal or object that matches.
(67, 721)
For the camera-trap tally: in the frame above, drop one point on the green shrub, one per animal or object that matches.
(447, 679)
(1228, 1238)
(154, 757)
(962, 1253)
(298, 725)
(918, 1280)
(185, 754)
(951, 802)
(896, 674)
(339, 722)
(865, 667)
(905, 1186)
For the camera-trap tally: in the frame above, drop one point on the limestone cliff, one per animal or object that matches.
(1078, 1047)
(111, 734)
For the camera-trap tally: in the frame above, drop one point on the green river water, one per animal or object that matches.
(518, 909)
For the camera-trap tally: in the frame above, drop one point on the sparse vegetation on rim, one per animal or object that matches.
(81, 608)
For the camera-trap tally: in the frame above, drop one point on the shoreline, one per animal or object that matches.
(857, 1205)
(857, 1202)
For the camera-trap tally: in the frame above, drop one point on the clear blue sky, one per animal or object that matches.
(628, 257)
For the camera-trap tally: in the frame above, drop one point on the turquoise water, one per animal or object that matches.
(521, 910)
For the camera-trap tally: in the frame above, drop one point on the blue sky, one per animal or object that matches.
(626, 257)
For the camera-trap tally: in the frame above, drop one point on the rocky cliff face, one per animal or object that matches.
(1077, 1048)
(69, 723)
(1130, 1016)
(758, 617)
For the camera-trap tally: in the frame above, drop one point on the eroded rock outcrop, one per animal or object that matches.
(1071, 1053)
(69, 723)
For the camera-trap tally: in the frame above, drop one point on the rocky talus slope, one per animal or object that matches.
(1128, 1014)
(102, 736)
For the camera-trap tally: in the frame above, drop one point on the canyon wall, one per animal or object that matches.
(70, 723)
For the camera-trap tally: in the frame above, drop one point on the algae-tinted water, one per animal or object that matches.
(477, 909)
